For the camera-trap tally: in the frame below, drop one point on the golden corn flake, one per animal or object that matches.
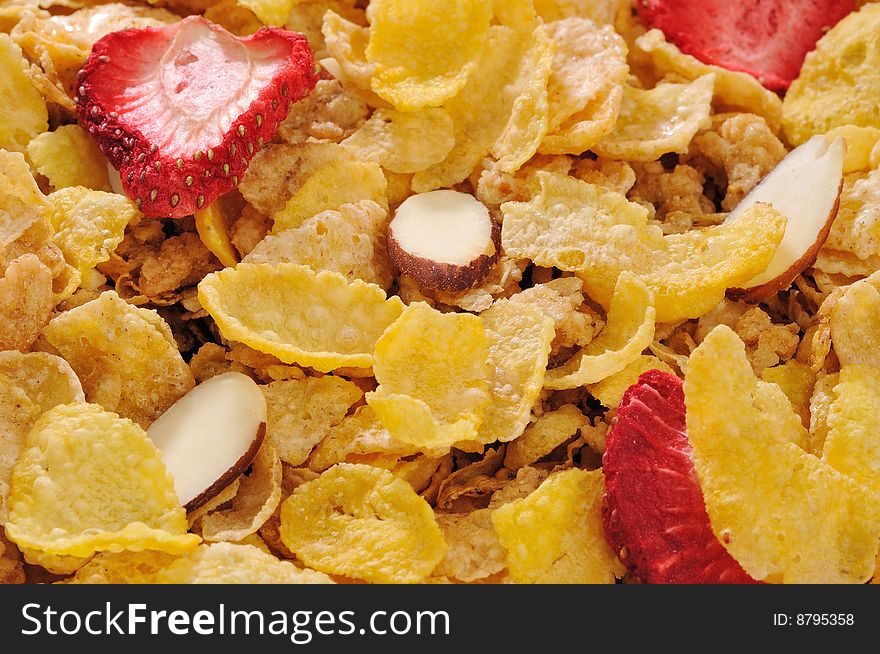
(350, 240)
(89, 224)
(321, 320)
(360, 434)
(339, 182)
(519, 337)
(555, 534)
(227, 563)
(588, 64)
(300, 413)
(853, 245)
(604, 12)
(22, 204)
(23, 108)
(628, 332)
(69, 157)
(417, 64)
(852, 445)
(796, 380)
(855, 325)
(839, 81)
(30, 384)
(820, 407)
(270, 12)
(783, 514)
(89, 481)
(365, 523)
(347, 44)
(257, 498)
(432, 397)
(122, 568)
(597, 234)
(495, 109)
(213, 225)
(544, 435)
(860, 141)
(404, 142)
(474, 549)
(610, 390)
(27, 298)
(734, 91)
(660, 120)
(125, 357)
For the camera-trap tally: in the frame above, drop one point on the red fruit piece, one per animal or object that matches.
(766, 38)
(181, 110)
(653, 508)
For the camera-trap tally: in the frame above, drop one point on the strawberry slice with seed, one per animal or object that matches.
(765, 38)
(653, 508)
(181, 110)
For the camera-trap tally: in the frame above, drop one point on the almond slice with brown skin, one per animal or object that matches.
(805, 187)
(444, 240)
(210, 436)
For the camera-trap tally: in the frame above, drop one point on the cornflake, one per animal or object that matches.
(68, 157)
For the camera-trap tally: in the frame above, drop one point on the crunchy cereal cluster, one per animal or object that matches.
(423, 435)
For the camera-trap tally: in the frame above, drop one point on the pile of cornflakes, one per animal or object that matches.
(413, 433)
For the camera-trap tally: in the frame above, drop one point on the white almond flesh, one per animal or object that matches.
(805, 187)
(445, 240)
(210, 435)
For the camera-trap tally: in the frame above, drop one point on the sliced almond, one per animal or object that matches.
(444, 240)
(805, 187)
(210, 436)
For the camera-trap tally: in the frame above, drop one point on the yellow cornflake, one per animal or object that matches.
(89, 481)
(300, 413)
(69, 157)
(126, 357)
(22, 107)
(855, 325)
(596, 233)
(228, 563)
(417, 64)
(122, 568)
(212, 225)
(783, 514)
(321, 320)
(338, 183)
(610, 390)
(555, 534)
(474, 549)
(22, 204)
(860, 141)
(628, 332)
(362, 522)
(661, 120)
(548, 432)
(89, 224)
(839, 81)
(853, 245)
(796, 380)
(270, 12)
(431, 368)
(519, 338)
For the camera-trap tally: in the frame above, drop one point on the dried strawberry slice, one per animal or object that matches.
(766, 38)
(181, 110)
(653, 508)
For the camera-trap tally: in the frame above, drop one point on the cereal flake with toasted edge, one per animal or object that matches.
(855, 324)
(545, 434)
(330, 113)
(27, 299)
(338, 183)
(432, 397)
(597, 234)
(853, 245)
(90, 481)
(418, 65)
(229, 563)
(124, 567)
(89, 224)
(519, 338)
(24, 110)
(68, 157)
(783, 514)
(273, 309)
(350, 240)
(362, 522)
(301, 413)
(474, 549)
(610, 390)
(660, 120)
(346, 43)
(137, 376)
(32, 384)
(628, 331)
(555, 534)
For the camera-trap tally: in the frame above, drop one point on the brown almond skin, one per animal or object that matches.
(230, 475)
(435, 276)
(781, 282)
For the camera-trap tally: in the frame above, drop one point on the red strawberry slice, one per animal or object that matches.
(181, 110)
(766, 38)
(653, 508)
